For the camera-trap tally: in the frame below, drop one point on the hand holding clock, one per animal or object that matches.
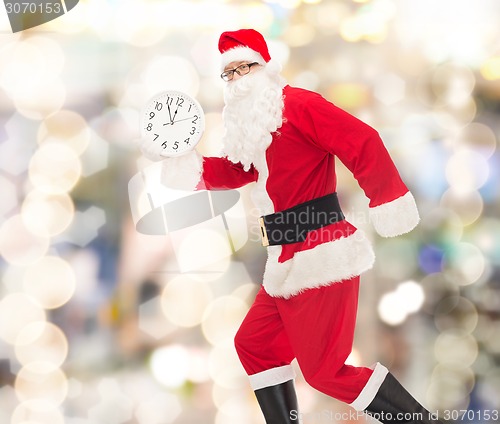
(160, 136)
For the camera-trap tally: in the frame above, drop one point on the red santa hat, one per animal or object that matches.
(243, 45)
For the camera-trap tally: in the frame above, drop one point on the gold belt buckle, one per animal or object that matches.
(263, 232)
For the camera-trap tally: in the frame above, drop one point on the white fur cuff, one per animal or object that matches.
(325, 264)
(395, 218)
(372, 386)
(182, 172)
(272, 377)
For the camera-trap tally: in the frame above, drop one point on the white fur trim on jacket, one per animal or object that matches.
(241, 53)
(182, 172)
(395, 218)
(323, 265)
(271, 377)
(371, 388)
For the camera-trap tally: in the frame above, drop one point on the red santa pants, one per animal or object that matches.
(316, 327)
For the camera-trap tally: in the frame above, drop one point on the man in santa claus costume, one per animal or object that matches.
(285, 140)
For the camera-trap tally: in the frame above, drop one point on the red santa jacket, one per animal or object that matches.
(299, 166)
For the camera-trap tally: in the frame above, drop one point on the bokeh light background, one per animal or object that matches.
(97, 325)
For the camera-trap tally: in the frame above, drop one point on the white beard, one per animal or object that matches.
(253, 111)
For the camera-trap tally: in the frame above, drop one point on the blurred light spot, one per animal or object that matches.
(222, 319)
(479, 138)
(349, 95)
(9, 196)
(288, 4)
(85, 226)
(485, 234)
(41, 341)
(457, 348)
(54, 168)
(235, 409)
(389, 88)
(170, 365)
(37, 412)
(397, 258)
(40, 381)
(203, 247)
(394, 307)
(489, 387)
(430, 258)
(21, 58)
(96, 156)
(368, 23)
(307, 79)
(170, 71)
(492, 343)
(44, 101)
(467, 205)
(47, 215)
(354, 358)
(255, 15)
(137, 24)
(225, 368)
(16, 150)
(114, 406)
(461, 315)
(152, 320)
(116, 126)
(162, 408)
(184, 300)
(490, 68)
(24, 309)
(299, 35)
(65, 127)
(465, 263)
(18, 245)
(449, 387)
(198, 366)
(441, 227)
(245, 292)
(51, 281)
(467, 171)
(453, 84)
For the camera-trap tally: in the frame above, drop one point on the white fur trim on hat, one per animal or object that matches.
(397, 217)
(241, 53)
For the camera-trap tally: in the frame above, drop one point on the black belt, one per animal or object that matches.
(293, 224)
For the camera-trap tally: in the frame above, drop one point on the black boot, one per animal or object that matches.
(393, 404)
(279, 403)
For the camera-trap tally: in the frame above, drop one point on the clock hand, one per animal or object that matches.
(175, 113)
(169, 114)
(183, 119)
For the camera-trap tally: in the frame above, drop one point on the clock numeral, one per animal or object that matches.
(169, 101)
(176, 145)
(149, 127)
(158, 106)
(164, 144)
(195, 119)
(151, 115)
(186, 140)
(180, 101)
(193, 130)
(157, 135)
(190, 106)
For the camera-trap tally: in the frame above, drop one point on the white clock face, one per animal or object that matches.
(175, 121)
